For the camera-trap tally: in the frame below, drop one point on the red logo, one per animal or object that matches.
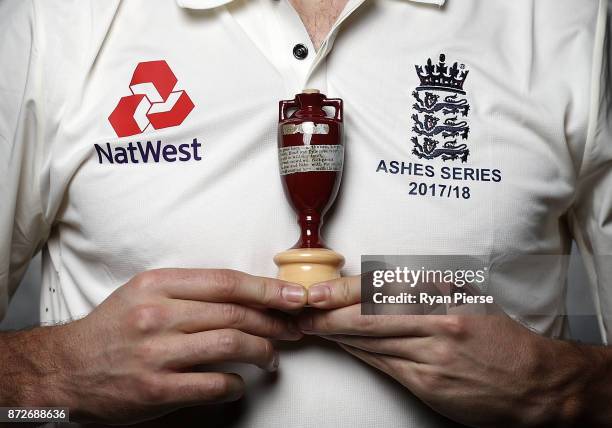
(153, 101)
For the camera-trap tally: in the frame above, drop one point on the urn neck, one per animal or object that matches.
(310, 231)
(310, 105)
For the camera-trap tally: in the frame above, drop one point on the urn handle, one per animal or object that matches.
(283, 106)
(337, 104)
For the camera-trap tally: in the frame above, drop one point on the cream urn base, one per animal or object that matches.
(308, 266)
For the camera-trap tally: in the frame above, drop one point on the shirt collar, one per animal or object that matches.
(209, 4)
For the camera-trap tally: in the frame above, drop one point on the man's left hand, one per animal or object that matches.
(479, 370)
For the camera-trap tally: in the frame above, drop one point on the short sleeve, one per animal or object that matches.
(22, 226)
(591, 215)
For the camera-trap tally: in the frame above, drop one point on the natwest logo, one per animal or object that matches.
(149, 151)
(153, 101)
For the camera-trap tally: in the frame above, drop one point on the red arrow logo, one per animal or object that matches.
(153, 101)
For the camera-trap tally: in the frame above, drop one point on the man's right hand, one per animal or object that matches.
(134, 357)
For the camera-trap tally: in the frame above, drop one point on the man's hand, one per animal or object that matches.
(135, 356)
(479, 370)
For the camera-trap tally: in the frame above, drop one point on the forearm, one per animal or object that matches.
(577, 386)
(592, 387)
(30, 368)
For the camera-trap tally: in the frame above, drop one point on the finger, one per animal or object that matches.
(220, 346)
(408, 373)
(192, 317)
(227, 286)
(192, 389)
(389, 365)
(345, 291)
(350, 321)
(417, 349)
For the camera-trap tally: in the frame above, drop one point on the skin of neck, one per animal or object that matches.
(318, 17)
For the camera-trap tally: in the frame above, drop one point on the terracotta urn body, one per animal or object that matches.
(311, 160)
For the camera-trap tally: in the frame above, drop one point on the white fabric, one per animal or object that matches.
(539, 91)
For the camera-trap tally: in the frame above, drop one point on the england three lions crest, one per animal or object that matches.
(440, 124)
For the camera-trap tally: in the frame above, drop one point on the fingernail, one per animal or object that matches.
(305, 323)
(293, 293)
(318, 293)
(274, 363)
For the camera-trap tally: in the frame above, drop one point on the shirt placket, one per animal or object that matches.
(294, 49)
(301, 71)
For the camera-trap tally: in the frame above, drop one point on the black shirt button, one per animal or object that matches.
(300, 51)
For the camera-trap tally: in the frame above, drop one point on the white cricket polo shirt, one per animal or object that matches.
(142, 134)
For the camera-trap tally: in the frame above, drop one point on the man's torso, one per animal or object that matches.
(486, 168)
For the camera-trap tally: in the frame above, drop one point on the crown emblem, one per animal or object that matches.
(441, 77)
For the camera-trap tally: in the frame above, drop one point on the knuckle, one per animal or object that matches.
(455, 325)
(148, 280)
(147, 318)
(152, 390)
(225, 282)
(345, 289)
(216, 386)
(275, 326)
(268, 350)
(234, 315)
(229, 342)
(268, 290)
(143, 354)
(443, 354)
(366, 323)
